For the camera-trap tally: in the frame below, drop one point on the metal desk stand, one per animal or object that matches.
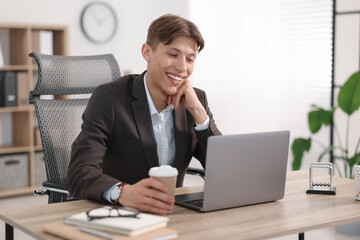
(321, 187)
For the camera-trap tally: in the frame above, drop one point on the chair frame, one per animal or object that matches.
(56, 190)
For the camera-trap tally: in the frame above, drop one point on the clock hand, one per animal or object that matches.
(95, 16)
(103, 19)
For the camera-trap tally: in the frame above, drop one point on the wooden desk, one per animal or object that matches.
(297, 212)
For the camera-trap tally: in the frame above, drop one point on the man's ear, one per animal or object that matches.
(145, 50)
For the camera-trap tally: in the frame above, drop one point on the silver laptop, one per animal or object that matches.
(241, 170)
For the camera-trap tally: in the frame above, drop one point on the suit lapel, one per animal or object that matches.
(143, 121)
(180, 129)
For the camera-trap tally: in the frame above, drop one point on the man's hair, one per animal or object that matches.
(168, 27)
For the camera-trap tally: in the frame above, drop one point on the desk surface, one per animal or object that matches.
(297, 212)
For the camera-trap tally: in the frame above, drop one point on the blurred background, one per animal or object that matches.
(263, 65)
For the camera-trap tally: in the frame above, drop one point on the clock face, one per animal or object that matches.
(98, 22)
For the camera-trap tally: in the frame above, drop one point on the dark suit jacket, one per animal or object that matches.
(117, 141)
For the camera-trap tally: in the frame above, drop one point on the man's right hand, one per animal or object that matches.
(148, 195)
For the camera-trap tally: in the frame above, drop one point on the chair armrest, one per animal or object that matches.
(196, 171)
(48, 186)
(55, 185)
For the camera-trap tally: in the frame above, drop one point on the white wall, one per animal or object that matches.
(134, 18)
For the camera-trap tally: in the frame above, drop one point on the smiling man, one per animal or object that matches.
(141, 121)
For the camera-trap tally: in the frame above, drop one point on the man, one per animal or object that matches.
(141, 121)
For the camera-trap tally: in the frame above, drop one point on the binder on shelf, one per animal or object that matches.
(46, 42)
(8, 91)
(22, 89)
(2, 62)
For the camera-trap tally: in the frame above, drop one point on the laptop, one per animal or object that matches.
(241, 170)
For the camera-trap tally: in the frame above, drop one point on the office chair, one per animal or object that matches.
(71, 80)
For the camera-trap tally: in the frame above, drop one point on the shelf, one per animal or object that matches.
(40, 27)
(16, 109)
(17, 191)
(15, 68)
(14, 149)
(13, 26)
(32, 27)
(23, 39)
(38, 148)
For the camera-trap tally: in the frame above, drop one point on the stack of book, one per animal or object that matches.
(144, 226)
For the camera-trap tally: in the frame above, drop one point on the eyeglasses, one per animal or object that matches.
(112, 212)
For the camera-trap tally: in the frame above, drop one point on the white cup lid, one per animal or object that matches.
(163, 171)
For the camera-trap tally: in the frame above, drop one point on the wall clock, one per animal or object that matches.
(98, 22)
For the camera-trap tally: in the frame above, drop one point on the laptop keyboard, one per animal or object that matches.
(197, 203)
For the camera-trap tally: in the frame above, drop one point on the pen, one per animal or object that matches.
(97, 233)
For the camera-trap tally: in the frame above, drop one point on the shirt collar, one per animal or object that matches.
(152, 107)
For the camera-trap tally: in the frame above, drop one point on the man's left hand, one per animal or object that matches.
(187, 97)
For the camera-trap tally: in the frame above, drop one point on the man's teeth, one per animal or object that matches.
(174, 77)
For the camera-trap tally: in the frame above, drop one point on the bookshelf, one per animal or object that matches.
(17, 41)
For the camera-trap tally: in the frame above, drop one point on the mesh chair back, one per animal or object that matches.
(60, 119)
(62, 75)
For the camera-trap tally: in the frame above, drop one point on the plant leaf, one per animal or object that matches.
(299, 146)
(319, 117)
(349, 95)
(314, 121)
(354, 160)
(327, 116)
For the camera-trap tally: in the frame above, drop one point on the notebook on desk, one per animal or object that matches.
(241, 170)
(131, 226)
(71, 232)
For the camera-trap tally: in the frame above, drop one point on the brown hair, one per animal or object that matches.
(168, 27)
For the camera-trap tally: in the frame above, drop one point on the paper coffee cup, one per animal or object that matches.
(166, 175)
(357, 182)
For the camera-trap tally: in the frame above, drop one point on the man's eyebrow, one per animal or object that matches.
(175, 49)
(178, 50)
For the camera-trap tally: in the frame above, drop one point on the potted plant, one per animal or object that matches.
(349, 102)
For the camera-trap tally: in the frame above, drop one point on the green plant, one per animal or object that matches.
(349, 102)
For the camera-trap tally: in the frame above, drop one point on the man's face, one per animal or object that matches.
(169, 65)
